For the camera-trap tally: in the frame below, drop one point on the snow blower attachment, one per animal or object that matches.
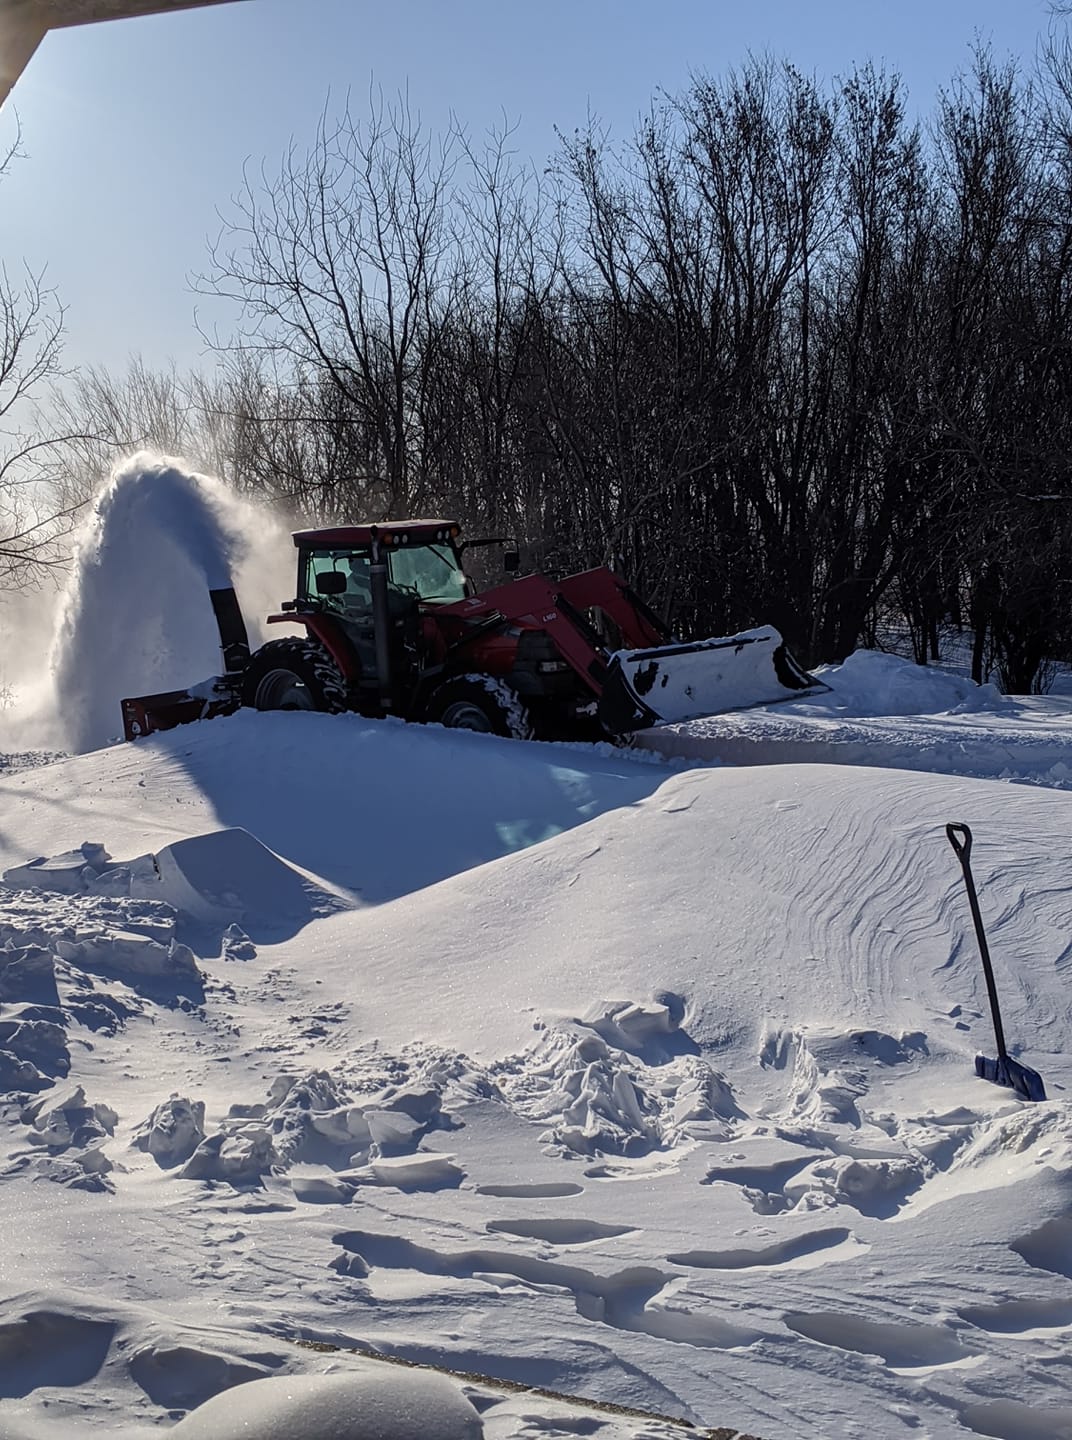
(144, 714)
(1004, 1070)
(394, 626)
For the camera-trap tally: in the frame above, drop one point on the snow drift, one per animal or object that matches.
(373, 1406)
(684, 1064)
(556, 1064)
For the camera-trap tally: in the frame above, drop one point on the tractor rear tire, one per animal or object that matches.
(293, 674)
(481, 703)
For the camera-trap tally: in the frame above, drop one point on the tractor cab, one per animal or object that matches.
(421, 560)
(370, 596)
(363, 589)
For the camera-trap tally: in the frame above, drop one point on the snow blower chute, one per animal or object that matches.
(1004, 1070)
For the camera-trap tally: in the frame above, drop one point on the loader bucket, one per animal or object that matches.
(700, 677)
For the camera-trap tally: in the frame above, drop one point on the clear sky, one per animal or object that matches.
(136, 131)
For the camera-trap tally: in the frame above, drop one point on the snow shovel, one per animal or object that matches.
(1004, 1070)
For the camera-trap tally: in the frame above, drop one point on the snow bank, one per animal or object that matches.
(227, 876)
(688, 1067)
(214, 880)
(872, 683)
(885, 710)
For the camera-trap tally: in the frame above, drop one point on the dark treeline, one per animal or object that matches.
(786, 355)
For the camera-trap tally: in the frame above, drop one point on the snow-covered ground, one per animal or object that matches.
(883, 710)
(645, 1081)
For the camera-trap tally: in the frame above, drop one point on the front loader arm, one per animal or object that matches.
(559, 608)
(651, 677)
(601, 588)
(556, 608)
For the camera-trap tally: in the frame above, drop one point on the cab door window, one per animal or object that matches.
(355, 567)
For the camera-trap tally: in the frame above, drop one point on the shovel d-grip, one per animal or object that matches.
(1004, 1070)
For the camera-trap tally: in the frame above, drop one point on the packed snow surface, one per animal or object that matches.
(884, 710)
(652, 1086)
(371, 1080)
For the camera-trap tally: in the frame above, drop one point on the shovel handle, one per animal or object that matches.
(961, 846)
(960, 837)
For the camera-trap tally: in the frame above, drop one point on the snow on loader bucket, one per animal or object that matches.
(701, 677)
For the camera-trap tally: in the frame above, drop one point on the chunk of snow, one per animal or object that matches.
(387, 1404)
(173, 1131)
(423, 1171)
(241, 1157)
(69, 873)
(126, 954)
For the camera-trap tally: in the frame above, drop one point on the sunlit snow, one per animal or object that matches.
(575, 1077)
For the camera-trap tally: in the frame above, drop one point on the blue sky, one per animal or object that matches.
(136, 131)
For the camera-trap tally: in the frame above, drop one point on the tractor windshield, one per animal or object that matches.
(428, 572)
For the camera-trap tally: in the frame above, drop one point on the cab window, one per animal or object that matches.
(354, 566)
(428, 572)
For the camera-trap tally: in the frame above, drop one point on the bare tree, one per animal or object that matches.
(337, 263)
(101, 415)
(787, 355)
(31, 334)
(1002, 374)
(478, 402)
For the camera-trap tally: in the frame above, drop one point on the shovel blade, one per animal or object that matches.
(1006, 1071)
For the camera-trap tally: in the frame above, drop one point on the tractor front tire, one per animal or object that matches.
(293, 674)
(481, 703)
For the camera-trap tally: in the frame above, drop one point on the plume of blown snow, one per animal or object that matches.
(136, 617)
(27, 707)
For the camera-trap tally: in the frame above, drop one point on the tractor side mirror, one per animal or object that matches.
(331, 582)
(511, 561)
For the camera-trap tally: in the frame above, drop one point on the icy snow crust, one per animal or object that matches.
(645, 1081)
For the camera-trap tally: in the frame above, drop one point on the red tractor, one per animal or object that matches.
(394, 626)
